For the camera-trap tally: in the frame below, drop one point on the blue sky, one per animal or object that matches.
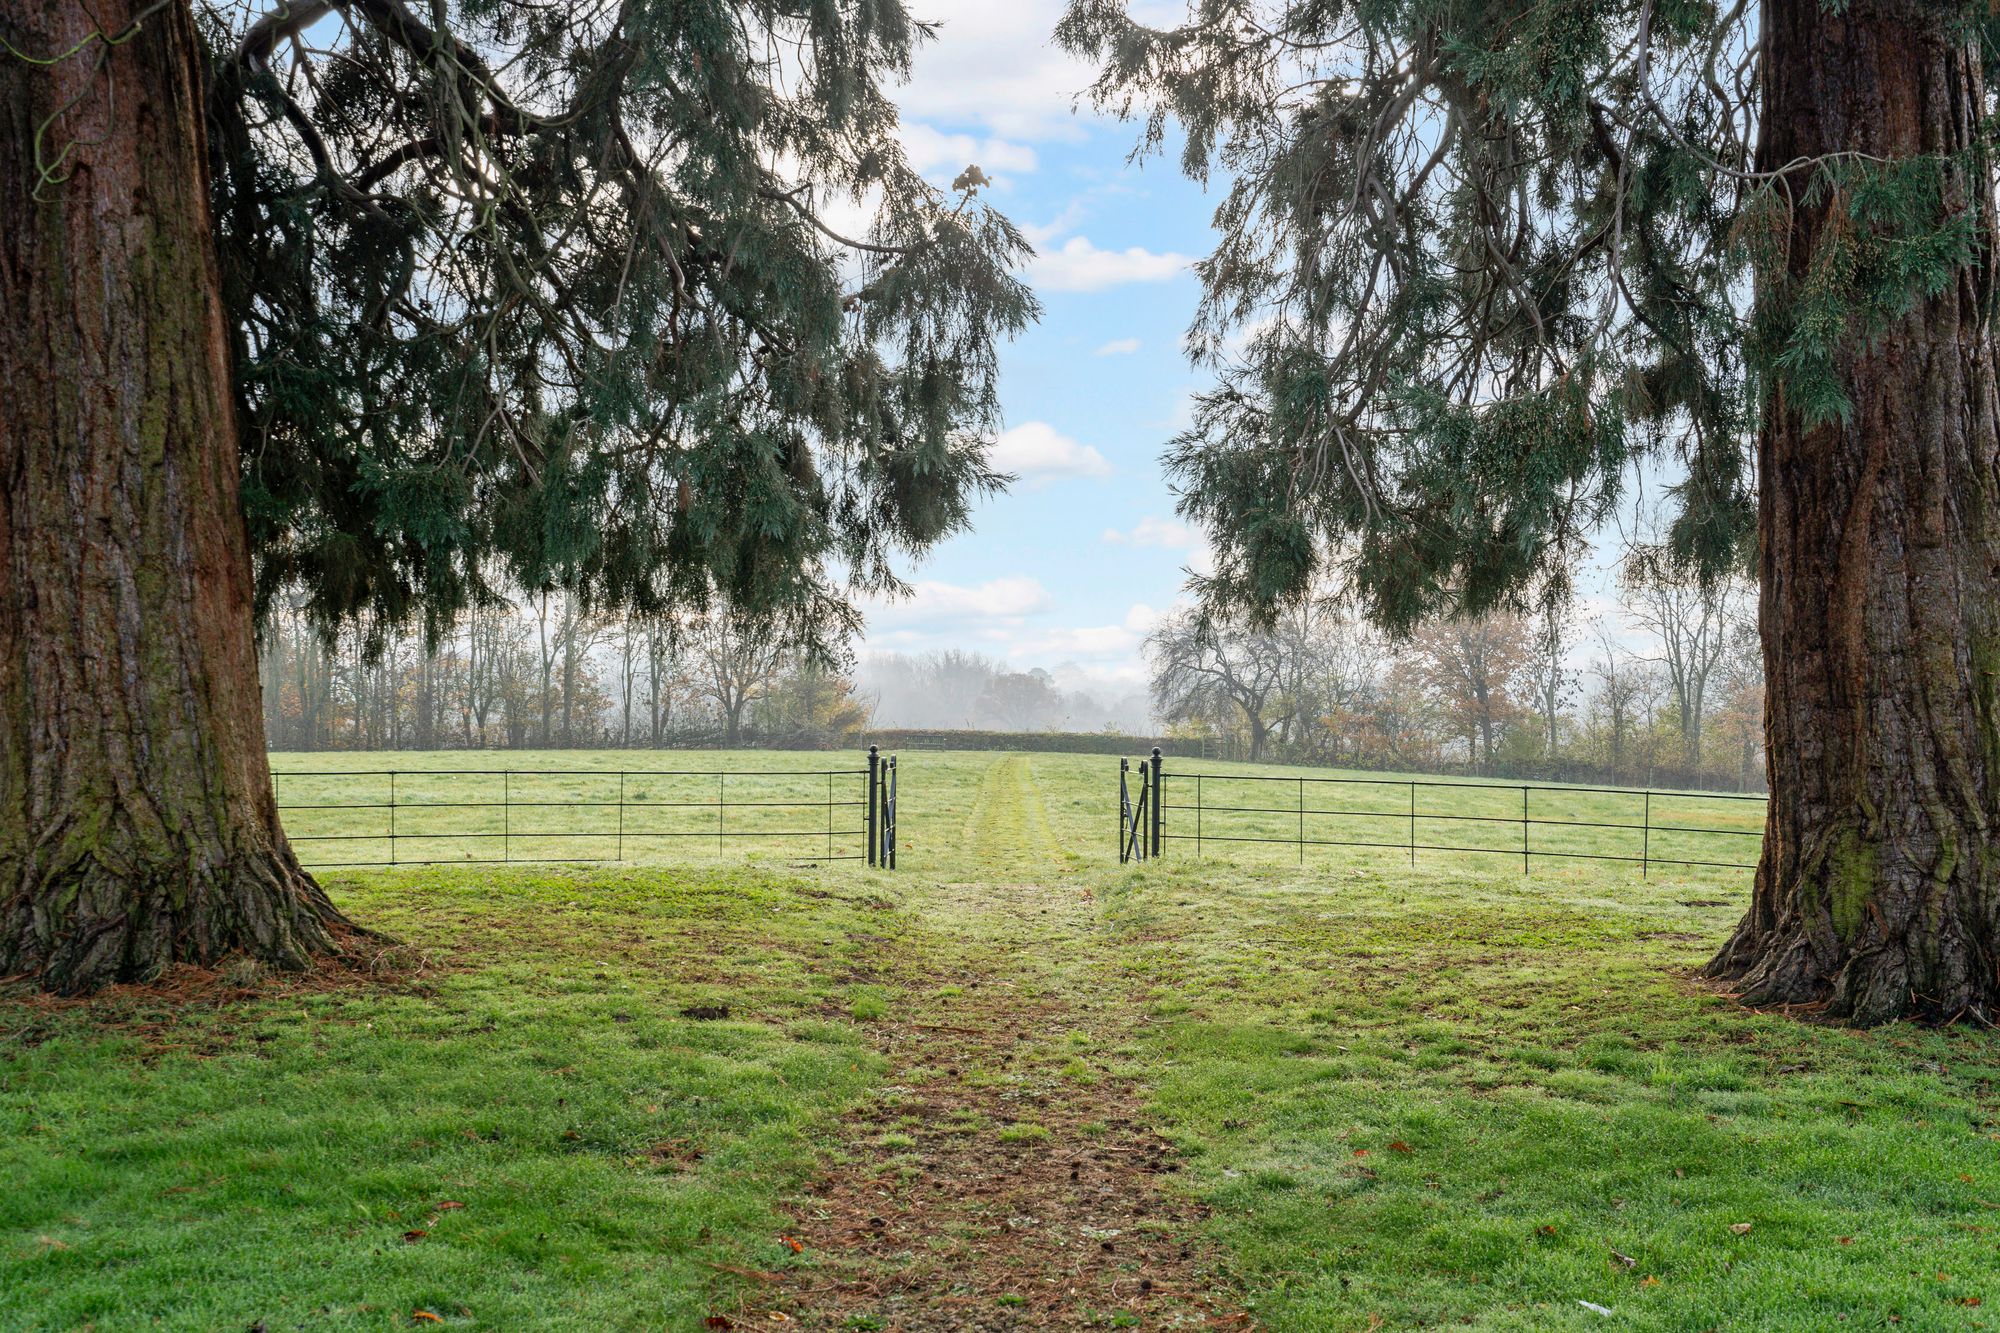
(1072, 567)
(1073, 564)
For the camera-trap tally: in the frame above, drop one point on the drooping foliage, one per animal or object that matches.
(638, 298)
(1481, 266)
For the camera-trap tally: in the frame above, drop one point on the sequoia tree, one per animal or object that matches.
(373, 308)
(1481, 265)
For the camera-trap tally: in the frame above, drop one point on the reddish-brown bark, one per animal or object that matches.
(1879, 892)
(137, 823)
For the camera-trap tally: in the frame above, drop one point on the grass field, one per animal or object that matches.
(1397, 1097)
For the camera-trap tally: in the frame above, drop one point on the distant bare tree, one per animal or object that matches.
(1616, 701)
(1549, 672)
(1207, 667)
(733, 660)
(1694, 623)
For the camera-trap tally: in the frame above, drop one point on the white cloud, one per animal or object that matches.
(1079, 266)
(1154, 531)
(1118, 347)
(1143, 618)
(933, 150)
(1118, 643)
(1165, 534)
(995, 65)
(1036, 450)
(932, 601)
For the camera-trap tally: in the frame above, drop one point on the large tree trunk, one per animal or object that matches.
(137, 823)
(1879, 891)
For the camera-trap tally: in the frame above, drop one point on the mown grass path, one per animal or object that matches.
(1010, 830)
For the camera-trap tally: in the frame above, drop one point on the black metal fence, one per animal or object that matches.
(1644, 827)
(480, 816)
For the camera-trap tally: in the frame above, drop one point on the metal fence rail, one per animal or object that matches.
(481, 816)
(1638, 826)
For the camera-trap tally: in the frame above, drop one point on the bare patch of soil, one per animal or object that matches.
(989, 1190)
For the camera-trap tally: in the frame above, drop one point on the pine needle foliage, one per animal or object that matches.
(553, 295)
(1481, 265)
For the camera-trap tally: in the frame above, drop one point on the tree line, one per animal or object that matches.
(550, 672)
(543, 672)
(1505, 694)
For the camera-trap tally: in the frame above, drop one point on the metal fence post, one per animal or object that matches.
(890, 830)
(1302, 821)
(874, 775)
(507, 815)
(1646, 841)
(1413, 823)
(1524, 830)
(392, 816)
(621, 817)
(1158, 792)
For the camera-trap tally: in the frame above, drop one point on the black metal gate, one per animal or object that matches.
(881, 809)
(1139, 820)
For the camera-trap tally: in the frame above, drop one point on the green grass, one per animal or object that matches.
(1414, 1097)
(577, 1153)
(1438, 1101)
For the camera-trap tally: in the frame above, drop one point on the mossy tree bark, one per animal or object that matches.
(137, 822)
(1879, 891)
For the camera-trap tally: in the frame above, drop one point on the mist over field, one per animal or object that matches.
(958, 689)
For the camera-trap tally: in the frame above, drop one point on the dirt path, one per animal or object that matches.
(1007, 1177)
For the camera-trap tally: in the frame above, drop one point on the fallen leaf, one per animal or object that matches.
(1847, 1240)
(448, 1205)
(1625, 1259)
(1740, 1228)
(792, 1245)
(1968, 1300)
(426, 1314)
(1400, 1146)
(718, 1321)
(1360, 1152)
(415, 1235)
(1650, 1281)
